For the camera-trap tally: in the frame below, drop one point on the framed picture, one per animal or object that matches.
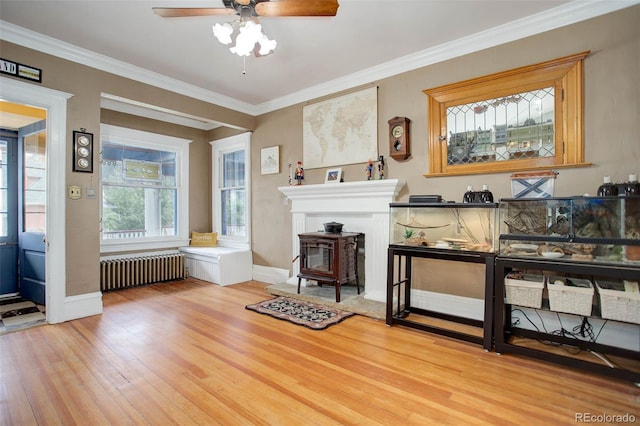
(341, 130)
(333, 175)
(270, 160)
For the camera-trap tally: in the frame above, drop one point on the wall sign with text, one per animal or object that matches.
(20, 70)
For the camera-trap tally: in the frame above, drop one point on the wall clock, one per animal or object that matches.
(82, 151)
(399, 138)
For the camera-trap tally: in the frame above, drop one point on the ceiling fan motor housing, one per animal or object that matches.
(237, 5)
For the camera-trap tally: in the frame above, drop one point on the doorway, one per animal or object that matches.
(22, 201)
(55, 104)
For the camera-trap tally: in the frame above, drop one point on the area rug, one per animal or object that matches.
(17, 314)
(311, 315)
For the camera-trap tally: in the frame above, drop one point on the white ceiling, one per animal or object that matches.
(366, 41)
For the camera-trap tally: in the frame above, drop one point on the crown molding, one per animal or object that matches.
(567, 14)
(40, 42)
(561, 16)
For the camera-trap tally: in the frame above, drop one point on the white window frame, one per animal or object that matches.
(220, 147)
(180, 146)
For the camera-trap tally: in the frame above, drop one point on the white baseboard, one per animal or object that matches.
(466, 307)
(270, 275)
(83, 305)
(377, 296)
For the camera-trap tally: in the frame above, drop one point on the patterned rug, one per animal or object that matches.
(311, 315)
(17, 313)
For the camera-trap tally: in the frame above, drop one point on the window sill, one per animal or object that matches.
(122, 246)
(511, 169)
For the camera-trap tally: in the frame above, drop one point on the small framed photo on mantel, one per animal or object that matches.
(333, 175)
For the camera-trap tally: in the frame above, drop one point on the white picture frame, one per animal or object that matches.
(334, 175)
(270, 160)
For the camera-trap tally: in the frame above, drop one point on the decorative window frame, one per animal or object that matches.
(564, 74)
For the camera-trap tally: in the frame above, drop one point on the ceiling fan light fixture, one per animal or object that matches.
(223, 33)
(249, 33)
(266, 46)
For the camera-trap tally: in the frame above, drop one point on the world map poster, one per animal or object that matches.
(342, 130)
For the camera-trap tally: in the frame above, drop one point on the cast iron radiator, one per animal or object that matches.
(142, 269)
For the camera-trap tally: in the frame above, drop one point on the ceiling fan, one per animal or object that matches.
(249, 37)
(257, 8)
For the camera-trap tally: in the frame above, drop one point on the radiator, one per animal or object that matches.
(148, 268)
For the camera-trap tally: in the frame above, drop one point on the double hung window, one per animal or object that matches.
(231, 205)
(144, 190)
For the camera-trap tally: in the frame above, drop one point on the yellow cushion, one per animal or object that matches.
(204, 239)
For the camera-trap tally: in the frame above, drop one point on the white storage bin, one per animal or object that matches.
(570, 295)
(524, 289)
(618, 304)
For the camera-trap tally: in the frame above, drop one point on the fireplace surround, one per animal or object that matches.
(363, 207)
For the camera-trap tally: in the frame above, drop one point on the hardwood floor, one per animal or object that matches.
(190, 353)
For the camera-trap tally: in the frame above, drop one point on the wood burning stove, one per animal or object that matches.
(329, 258)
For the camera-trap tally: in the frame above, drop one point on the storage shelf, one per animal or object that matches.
(399, 302)
(508, 338)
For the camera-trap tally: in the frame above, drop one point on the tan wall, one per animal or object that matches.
(449, 277)
(611, 115)
(612, 96)
(83, 111)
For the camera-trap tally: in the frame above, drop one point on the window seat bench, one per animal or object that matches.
(219, 265)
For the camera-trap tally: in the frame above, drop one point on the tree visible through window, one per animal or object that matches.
(144, 187)
(139, 192)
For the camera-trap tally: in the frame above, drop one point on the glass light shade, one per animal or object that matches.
(266, 46)
(249, 34)
(223, 33)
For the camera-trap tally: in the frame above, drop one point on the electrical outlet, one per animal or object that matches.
(90, 192)
(74, 192)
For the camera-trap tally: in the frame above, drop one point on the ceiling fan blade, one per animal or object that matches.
(180, 12)
(297, 8)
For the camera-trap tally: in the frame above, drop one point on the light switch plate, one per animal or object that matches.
(74, 192)
(90, 192)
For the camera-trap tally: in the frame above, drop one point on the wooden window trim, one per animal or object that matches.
(564, 74)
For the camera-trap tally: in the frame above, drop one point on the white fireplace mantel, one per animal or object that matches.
(361, 207)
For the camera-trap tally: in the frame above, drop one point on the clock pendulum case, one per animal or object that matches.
(399, 138)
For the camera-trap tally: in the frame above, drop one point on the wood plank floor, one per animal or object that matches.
(190, 353)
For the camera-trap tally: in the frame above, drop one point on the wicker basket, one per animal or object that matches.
(573, 296)
(524, 290)
(618, 304)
